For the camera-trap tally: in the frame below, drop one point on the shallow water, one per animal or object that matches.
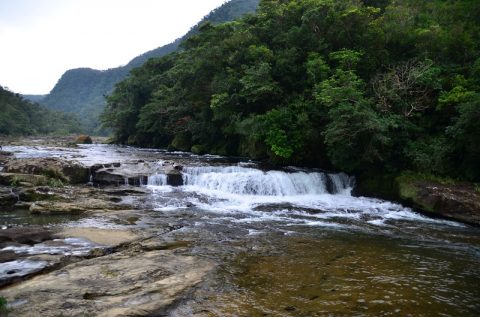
(22, 217)
(342, 273)
(296, 243)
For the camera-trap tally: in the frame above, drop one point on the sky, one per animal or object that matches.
(41, 39)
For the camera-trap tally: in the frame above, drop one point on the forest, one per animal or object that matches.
(22, 117)
(360, 86)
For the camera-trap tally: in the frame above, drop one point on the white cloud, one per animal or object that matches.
(41, 39)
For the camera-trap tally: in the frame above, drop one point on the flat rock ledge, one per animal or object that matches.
(127, 283)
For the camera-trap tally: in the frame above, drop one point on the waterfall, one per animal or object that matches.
(157, 180)
(341, 183)
(250, 181)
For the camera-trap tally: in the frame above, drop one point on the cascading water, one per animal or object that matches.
(300, 197)
(157, 180)
(251, 181)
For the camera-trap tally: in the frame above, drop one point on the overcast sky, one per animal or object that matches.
(41, 39)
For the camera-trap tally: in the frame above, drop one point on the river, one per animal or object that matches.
(295, 242)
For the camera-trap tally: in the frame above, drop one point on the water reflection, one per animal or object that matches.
(22, 217)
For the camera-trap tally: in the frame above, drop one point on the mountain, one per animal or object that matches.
(22, 117)
(34, 98)
(81, 91)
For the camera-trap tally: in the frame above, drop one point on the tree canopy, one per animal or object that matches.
(373, 85)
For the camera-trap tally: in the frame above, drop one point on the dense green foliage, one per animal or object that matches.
(360, 86)
(21, 117)
(81, 91)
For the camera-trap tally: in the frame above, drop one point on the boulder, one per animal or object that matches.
(84, 139)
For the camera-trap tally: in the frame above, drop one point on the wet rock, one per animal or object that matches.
(16, 270)
(107, 237)
(126, 191)
(97, 167)
(32, 194)
(456, 201)
(54, 207)
(16, 179)
(78, 205)
(174, 175)
(84, 139)
(122, 284)
(7, 196)
(7, 256)
(70, 172)
(4, 156)
(130, 173)
(24, 235)
(109, 177)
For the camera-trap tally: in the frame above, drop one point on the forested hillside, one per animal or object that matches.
(81, 91)
(373, 85)
(21, 117)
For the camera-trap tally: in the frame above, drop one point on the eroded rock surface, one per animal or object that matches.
(123, 284)
(68, 171)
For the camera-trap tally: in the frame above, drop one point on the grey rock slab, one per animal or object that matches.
(121, 284)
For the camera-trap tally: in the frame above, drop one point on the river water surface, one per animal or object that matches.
(295, 242)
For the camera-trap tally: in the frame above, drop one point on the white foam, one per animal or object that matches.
(250, 181)
(68, 246)
(243, 192)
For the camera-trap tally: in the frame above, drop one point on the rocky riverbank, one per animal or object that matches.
(458, 201)
(113, 268)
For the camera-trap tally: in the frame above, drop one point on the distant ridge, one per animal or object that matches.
(82, 90)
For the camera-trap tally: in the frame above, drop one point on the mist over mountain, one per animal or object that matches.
(82, 90)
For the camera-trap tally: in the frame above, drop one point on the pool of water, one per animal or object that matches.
(11, 217)
(345, 274)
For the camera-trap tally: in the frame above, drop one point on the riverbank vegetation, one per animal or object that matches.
(367, 86)
(22, 117)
